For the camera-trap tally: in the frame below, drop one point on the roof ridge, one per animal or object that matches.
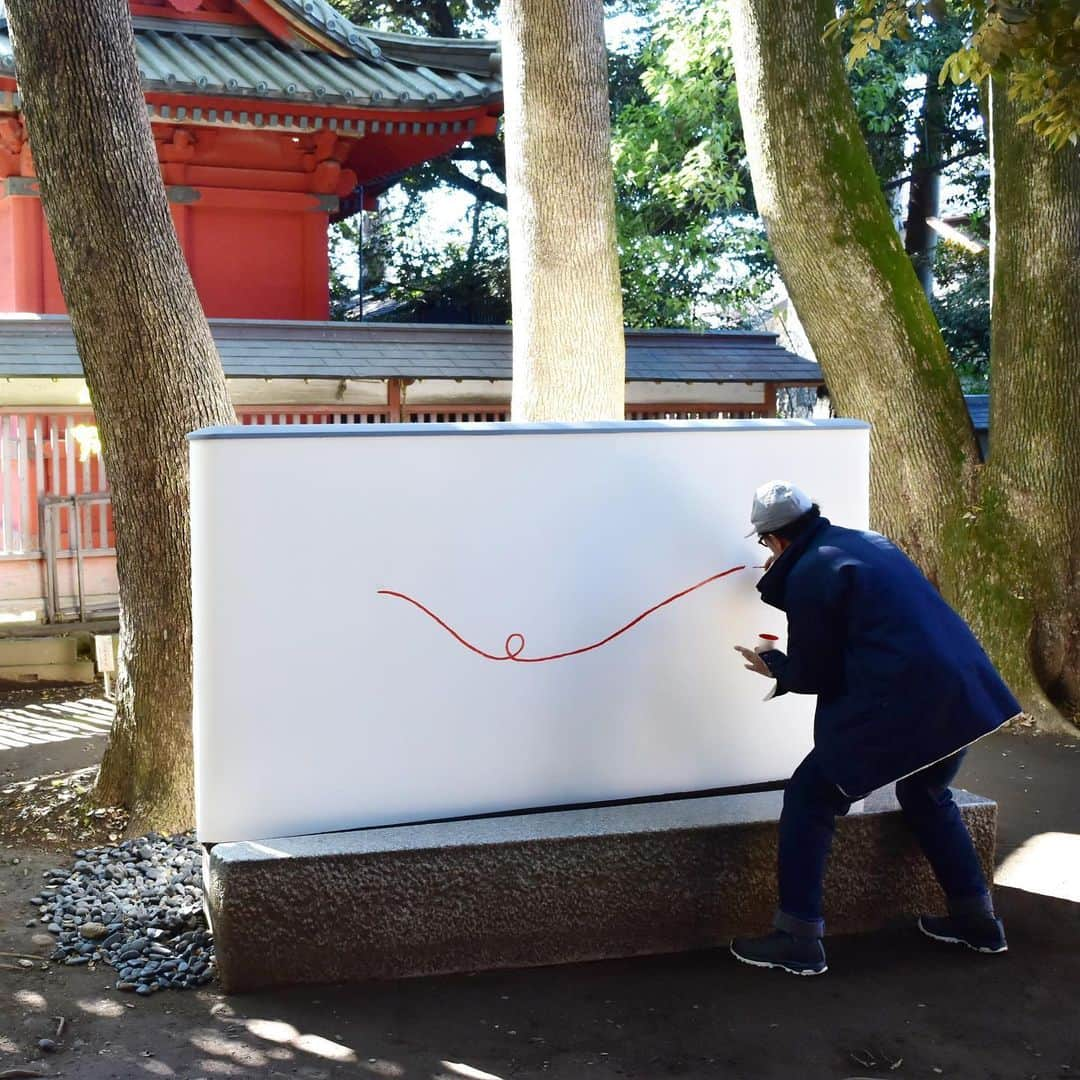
(449, 70)
(320, 17)
(477, 56)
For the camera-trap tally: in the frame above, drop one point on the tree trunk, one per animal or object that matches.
(150, 363)
(924, 193)
(1025, 575)
(569, 351)
(853, 286)
(1002, 540)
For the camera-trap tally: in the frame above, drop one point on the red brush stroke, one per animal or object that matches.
(513, 651)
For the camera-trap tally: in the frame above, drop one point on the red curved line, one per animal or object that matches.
(446, 626)
(516, 657)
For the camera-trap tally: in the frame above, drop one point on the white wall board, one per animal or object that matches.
(327, 698)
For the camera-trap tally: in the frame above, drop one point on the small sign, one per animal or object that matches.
(105, 652)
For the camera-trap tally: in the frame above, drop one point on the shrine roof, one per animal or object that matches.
(354, 67)
(43, 346)
(979, 408)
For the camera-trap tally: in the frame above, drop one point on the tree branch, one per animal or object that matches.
(901, 180)
(485, 149)
(458, 179)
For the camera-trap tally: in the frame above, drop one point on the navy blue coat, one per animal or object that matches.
(900, 679)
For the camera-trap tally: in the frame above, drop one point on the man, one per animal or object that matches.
(903, 688)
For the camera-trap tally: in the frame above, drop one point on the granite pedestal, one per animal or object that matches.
(546, 888)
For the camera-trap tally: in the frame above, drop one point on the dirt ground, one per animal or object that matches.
(892, 1005)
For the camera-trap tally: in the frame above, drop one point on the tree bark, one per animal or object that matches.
(1001, 540)
(150, 362)
(569, 351)
(853, 286)
(1024, 581)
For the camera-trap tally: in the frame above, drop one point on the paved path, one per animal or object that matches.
(51, 731)
(893, 1005)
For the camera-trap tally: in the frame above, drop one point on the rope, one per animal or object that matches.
(514, 645)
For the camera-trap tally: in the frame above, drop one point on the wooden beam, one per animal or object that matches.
(394, 399)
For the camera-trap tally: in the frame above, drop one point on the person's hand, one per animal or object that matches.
(753, 661)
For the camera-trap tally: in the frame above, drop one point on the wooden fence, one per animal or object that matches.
(51, 453)
(367, 414)
(57, 453)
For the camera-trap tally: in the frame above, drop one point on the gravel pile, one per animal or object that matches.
(136, 906)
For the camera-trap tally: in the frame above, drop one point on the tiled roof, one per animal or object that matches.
(322, 17)
(36, 346)
(979, 408)
(385, 71)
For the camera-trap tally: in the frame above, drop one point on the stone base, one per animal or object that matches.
(25, 661)
(546, 888)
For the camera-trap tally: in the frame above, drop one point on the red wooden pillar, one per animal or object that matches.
(24, 248)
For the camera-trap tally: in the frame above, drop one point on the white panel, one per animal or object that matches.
(322, 704)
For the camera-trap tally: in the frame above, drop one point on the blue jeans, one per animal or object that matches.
(808, 820)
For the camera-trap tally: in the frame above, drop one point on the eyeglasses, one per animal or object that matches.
(762, 541)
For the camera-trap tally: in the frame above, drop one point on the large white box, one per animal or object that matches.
(348, 582)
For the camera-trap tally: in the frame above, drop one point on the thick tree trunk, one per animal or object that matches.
(569, 352)
(1001, 540)
(150, 363)
(924, 193)
(852, 284)
(1025, 578)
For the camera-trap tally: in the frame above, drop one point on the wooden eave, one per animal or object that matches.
(251, 64)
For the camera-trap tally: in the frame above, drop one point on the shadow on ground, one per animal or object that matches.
(893, 1004)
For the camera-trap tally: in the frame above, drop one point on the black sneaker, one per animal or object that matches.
(983, 933)
(798, 955)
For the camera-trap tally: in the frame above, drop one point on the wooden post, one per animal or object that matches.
(771, 393)
(393, 400)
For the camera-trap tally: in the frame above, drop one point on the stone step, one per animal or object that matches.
(25, 652)
(546, 888)
(74, 671)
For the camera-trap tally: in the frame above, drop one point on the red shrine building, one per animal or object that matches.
(271, 120)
